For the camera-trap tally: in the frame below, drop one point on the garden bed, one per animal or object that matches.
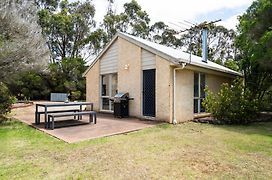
(262, 117)
(20, 104)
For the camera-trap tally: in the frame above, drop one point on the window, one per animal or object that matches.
(199, 93)
(108, 90)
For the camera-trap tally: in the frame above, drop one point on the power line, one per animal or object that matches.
(202, 25)
(181, 27)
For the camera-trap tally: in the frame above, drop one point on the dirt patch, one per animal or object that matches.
(21, 105)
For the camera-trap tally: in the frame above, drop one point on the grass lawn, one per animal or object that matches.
(183, 151)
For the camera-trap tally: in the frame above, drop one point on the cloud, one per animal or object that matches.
(176, 10)
(231, 22)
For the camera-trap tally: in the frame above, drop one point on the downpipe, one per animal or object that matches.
(174, 120)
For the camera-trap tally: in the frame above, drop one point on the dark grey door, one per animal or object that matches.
(149, 98)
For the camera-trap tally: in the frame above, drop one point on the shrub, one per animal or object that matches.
(75, 95)
(232, 104)
(266, 104)
(6, 99)
(29, 85)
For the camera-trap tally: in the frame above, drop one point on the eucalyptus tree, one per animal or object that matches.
(22, 45)
(133, 20)
(254, 41)
(163, 34)
(221, 46)
(67, 27)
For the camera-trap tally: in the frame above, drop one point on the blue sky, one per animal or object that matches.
(175, 11)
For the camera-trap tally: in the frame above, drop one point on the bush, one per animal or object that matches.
(6, 99)
(232, 104)
(75, 95)
(29, 85)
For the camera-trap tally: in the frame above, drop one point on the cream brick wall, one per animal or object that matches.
(214, 81)
(163, 90)
(184, 95)
(92, 86)
(129, 80)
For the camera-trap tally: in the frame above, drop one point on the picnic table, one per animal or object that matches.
(46, 107)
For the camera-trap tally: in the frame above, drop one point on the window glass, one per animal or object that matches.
(105, 104)
(199, 93)
(196, 85)
(201, 106)
(109, 84)
(202, 85)
(112, 106)
(113, 85)
(195, 105)
(105, 85)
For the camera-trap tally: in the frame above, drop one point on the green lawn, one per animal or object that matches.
(183, 151)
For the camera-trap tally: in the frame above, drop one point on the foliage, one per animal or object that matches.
(232, 64)
(66, 76)
(163, 34)
(267, 101)
(67, 27)
(6, 99)
(232, 104)
(137, 19)
(255, 45)
(220, 43)
(22, 45)
(133, 21)
(98, 39)
(47, 4)
(29, 85)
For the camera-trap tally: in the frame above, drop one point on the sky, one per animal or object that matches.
(175, 13)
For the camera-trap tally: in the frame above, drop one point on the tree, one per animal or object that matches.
(137, 19)
(254, 41)
(47, 4)
(29, 85)
(133, 21)
(22, 45)
(66, 76)
(97, 41)
(220, 43)
(5, 100)
(163, 34)
(67, 28)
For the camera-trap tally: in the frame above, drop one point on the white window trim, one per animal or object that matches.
(110, 93)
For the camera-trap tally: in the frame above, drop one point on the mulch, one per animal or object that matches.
(262, 117)
(21, 105)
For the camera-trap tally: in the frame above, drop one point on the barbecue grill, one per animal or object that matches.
(121, 105)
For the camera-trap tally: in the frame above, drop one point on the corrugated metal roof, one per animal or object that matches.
(178, 56)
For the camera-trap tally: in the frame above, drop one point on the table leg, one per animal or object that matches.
(36, 114)
(80, 109)
(45, 118)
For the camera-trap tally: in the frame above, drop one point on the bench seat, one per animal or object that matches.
(38, 114)
(51, 117)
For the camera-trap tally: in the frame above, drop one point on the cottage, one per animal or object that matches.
(166, 84)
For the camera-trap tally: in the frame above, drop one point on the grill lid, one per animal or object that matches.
(121, 95)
